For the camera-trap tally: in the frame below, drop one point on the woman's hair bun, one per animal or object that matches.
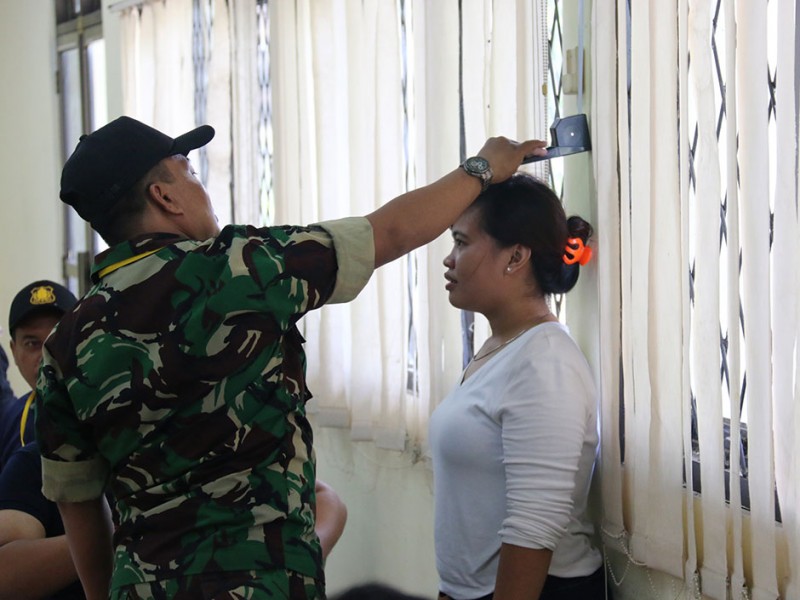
(579, 228)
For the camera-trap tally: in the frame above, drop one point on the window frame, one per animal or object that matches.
(77, 34)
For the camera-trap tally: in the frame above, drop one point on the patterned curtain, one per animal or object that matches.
(695, 150)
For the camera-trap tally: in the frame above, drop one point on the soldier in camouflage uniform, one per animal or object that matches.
(178, 379)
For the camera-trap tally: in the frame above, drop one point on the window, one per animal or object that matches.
(698, 292)
(733, 396)
(82, 95)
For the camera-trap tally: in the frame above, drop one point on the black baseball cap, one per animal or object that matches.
(108, 162)
(39, 296)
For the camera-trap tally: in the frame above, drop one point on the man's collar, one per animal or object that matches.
(124, 252)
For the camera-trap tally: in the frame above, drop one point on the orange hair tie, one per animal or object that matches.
(577, 252)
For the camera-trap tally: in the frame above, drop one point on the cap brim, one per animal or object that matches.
(191, 140)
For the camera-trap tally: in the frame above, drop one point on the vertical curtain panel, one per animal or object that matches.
(339, 152)
(175, 60)
(696, 167)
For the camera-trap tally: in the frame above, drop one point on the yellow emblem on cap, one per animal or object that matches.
(43, 295)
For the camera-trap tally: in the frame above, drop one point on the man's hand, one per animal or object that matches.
(505, 156)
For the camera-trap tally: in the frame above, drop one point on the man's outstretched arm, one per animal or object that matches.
(420, 216)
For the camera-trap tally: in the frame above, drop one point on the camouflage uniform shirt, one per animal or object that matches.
(179, 381)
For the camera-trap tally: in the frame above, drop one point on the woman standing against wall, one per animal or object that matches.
(514, 443)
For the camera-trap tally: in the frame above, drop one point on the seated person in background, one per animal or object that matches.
(34, 554)
(34, 312)
(330, 517)
(6, 393)
(375, 591)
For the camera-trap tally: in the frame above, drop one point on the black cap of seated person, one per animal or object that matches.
(39, 297)
(107, 163)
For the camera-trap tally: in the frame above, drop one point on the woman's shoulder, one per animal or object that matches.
(551, 337)
(549, 349)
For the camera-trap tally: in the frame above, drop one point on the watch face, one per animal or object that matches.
(477, 164)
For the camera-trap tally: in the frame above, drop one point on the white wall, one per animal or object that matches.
(30, 211)
(389, 534)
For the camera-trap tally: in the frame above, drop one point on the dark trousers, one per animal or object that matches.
(590, 587)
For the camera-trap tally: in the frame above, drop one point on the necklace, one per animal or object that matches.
(503, 345)
(475, 356)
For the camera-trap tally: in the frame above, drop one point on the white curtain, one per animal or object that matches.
(503, 69)
(685, 192)
(158, 78)
(339, 152)
(247, 165)
(176, 73)
(346, 143)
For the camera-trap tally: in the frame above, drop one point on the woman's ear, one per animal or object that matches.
(520, 255)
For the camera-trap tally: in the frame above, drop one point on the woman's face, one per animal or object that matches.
(475, 266)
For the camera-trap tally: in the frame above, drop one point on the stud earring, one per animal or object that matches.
(508, 269)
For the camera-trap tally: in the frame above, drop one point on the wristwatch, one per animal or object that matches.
(477, 166)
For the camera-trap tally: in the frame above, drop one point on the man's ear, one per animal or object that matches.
(14, 347)
(158, 193)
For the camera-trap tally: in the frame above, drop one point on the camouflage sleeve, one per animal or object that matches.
(72, 471)
(355, 255)
(74, 482)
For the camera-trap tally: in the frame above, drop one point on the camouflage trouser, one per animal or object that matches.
(236, 585)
